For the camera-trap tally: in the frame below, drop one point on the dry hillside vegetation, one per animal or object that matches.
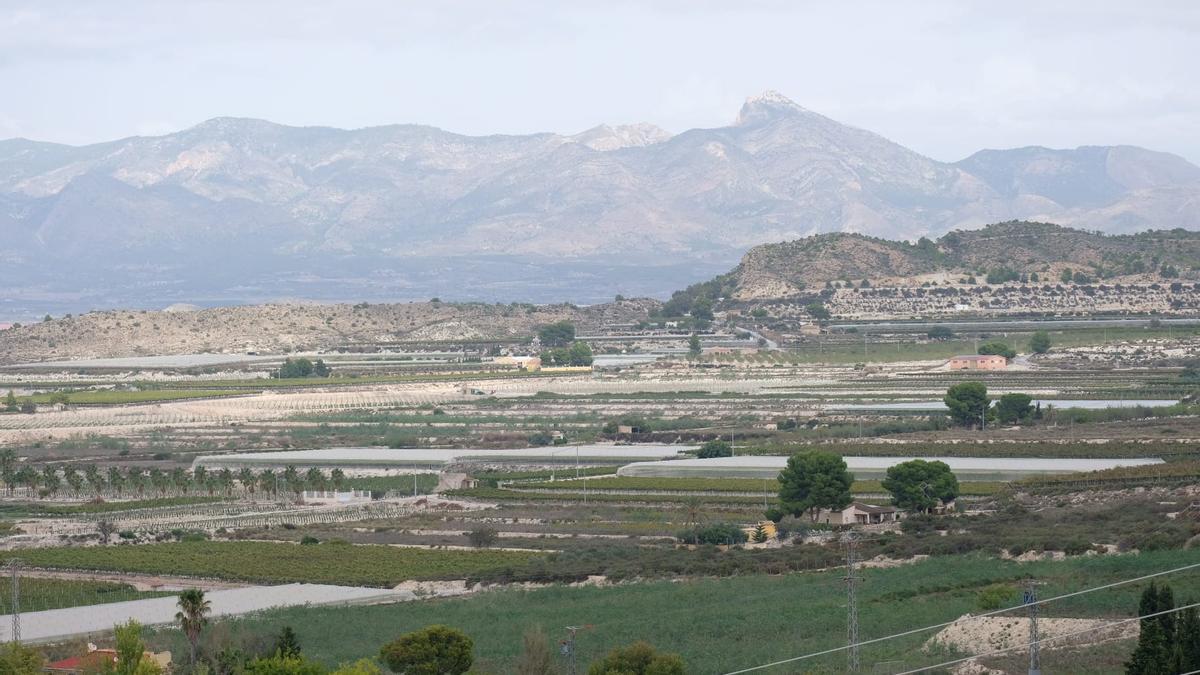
(788, 268)
(286, 328)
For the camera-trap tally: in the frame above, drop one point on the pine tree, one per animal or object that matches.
(287, 644)
(1187, 639)
(1163, 643)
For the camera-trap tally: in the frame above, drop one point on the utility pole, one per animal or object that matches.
(14, 567)
(852, 579)
(568, 648)
(1030, 601)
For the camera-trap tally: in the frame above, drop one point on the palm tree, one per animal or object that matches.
(116, 480)
(136, 476)
(160, 481)
(191, 616)
(74, 480)
(225, 478)
(8, 458)
(180, 479)
(51, 480)
(267, 482)
(93, 478)
(29, 477)
(246, 478)
(10, 479)
(315, 478)
(291, 477)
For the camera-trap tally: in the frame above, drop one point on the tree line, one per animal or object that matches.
(51, 481)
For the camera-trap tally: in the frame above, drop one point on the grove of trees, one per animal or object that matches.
(301, 367)
(578, 354)
(558, 334)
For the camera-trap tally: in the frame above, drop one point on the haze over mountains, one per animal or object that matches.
(239, 210)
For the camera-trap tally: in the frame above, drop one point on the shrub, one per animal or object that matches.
(309, 540)
(640, 658)
(994, 597)
(715, 448)
(433, 650)
(716, 533)
(483, 537)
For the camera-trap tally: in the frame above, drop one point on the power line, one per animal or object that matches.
(915, 631)
(997, 652)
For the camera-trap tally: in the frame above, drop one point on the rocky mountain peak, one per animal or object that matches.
(766, 105)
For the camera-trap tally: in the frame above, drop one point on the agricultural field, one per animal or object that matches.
(39, 594)
(778, 616)
(532, 518)
(263, 562)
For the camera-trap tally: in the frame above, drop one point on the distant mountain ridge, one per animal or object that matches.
(241, 209)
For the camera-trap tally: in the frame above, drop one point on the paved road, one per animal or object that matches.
(58, 624)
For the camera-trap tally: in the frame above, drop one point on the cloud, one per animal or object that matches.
(941, 76)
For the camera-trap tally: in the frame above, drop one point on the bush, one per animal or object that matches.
(640, 658)
(940, 333)
(715, 448)
(716, 533)
(309, 540)
(994, 597)
(483, 537)
(433, 650)
(999, 349)
(539, 438)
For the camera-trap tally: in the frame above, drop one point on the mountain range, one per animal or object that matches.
(241, 210)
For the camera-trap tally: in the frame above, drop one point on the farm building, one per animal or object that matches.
(529, 363)
(860, 514)
(978, 362)
(965, 468)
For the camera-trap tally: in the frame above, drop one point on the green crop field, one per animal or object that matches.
(39, 594)
(329, 563)
(719, 625)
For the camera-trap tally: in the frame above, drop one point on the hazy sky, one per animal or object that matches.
(944, 78)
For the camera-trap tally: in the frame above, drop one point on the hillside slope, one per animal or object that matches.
(789, 268)
(272, 329)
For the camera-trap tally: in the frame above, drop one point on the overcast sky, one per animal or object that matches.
(943, 78)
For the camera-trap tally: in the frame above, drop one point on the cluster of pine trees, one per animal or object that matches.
(1168, 643)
